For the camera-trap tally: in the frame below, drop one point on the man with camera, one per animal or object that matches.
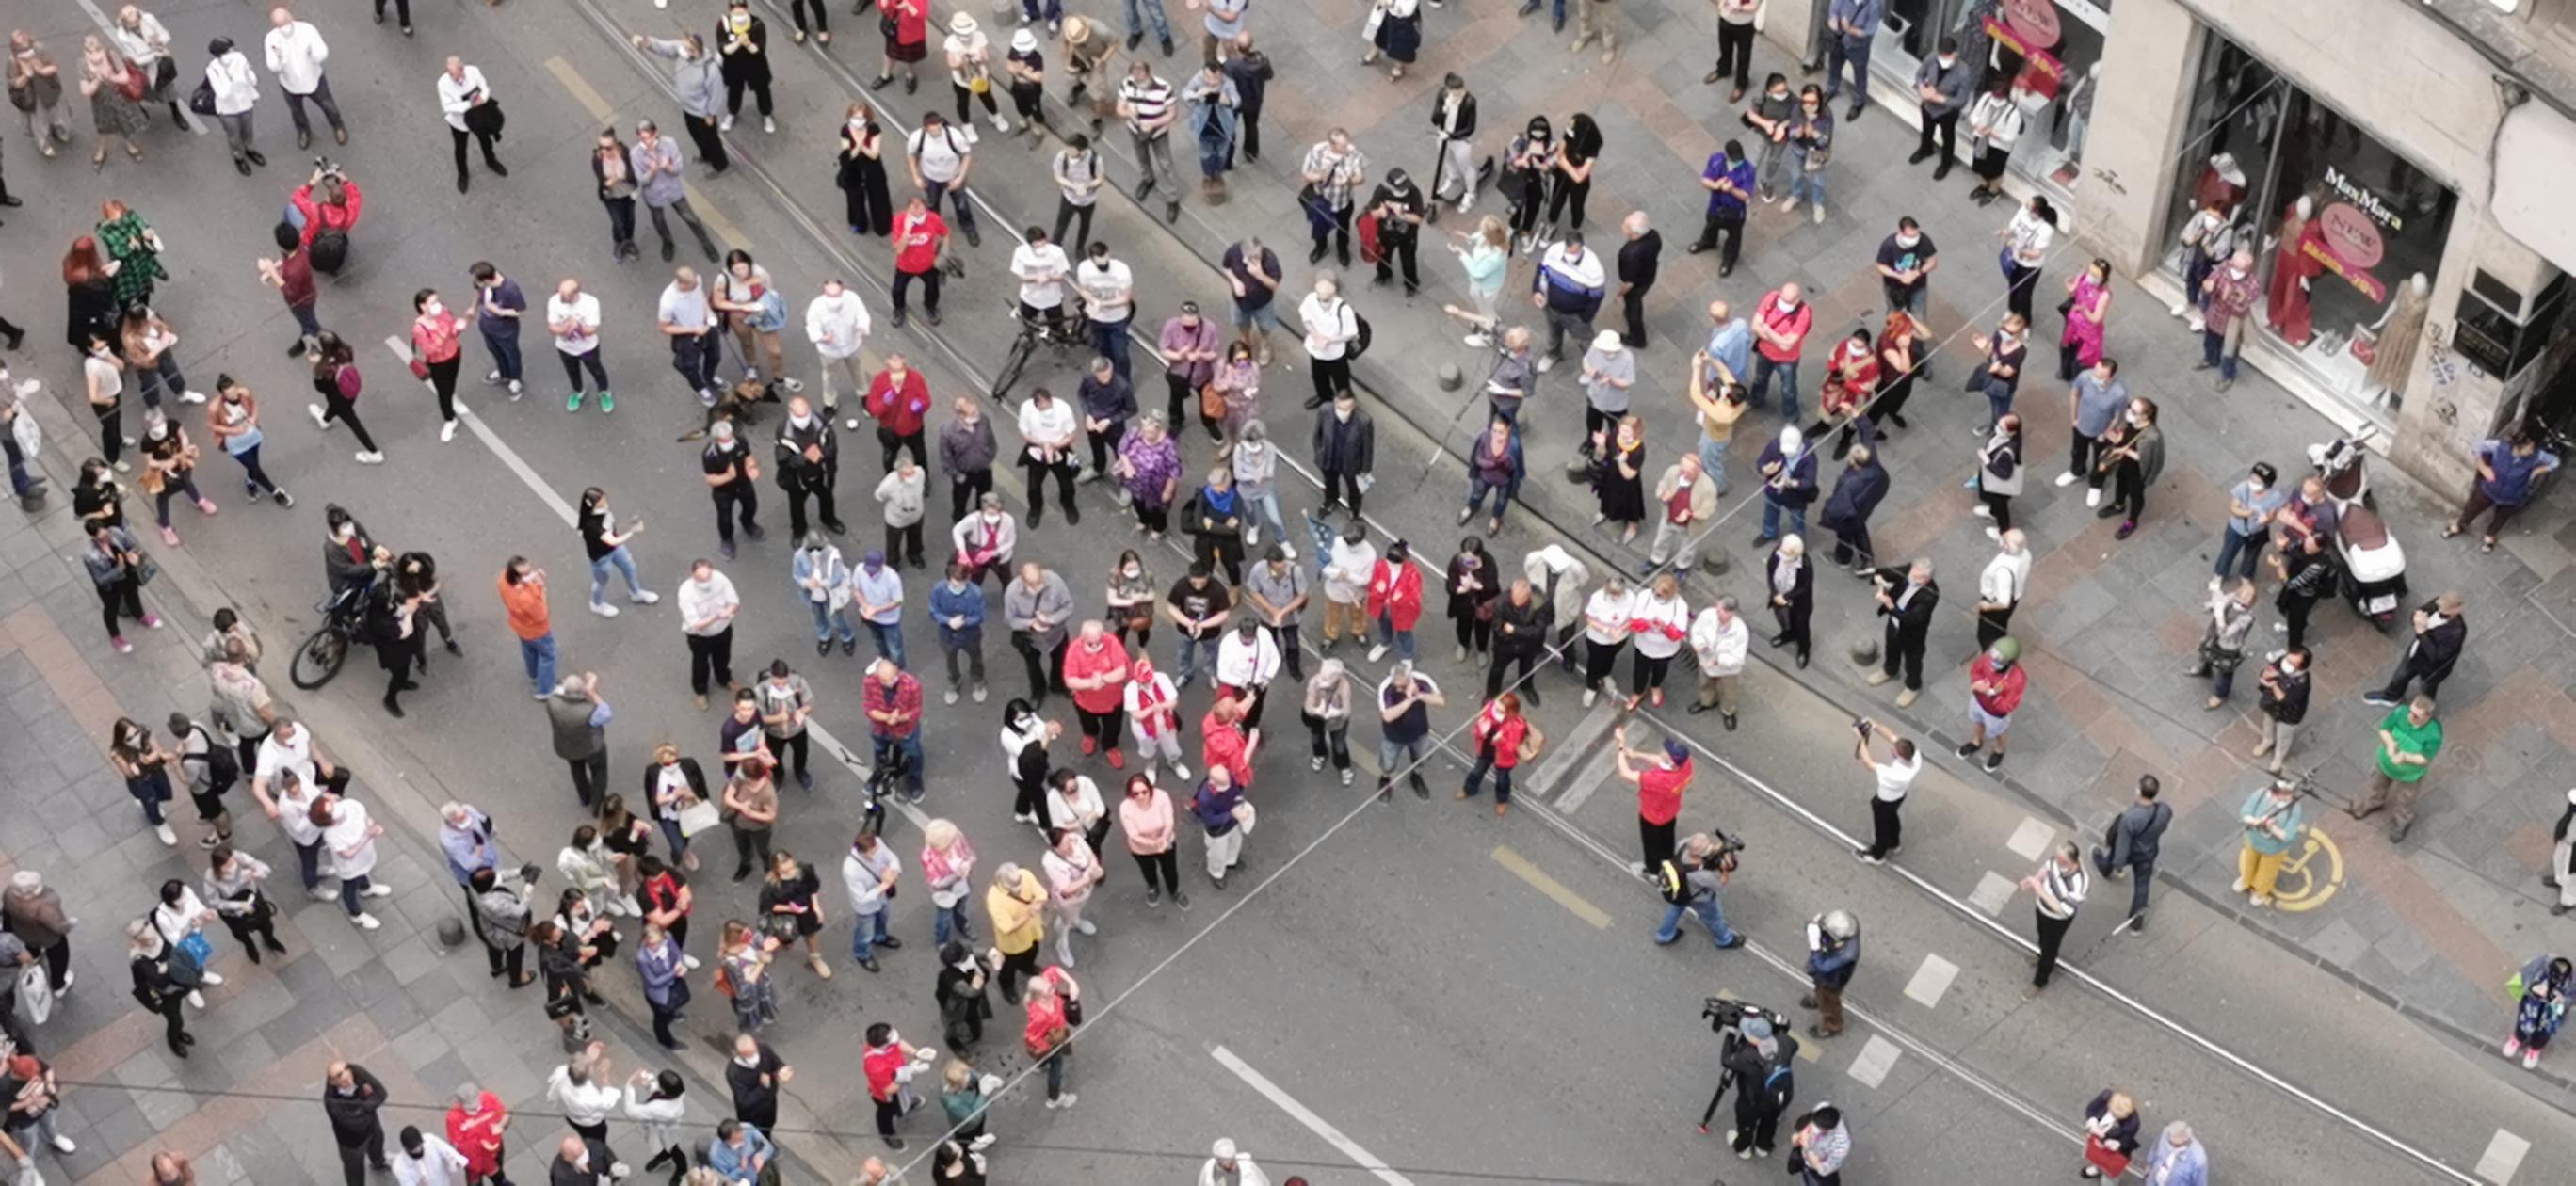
(1833, 954)
(1906, 598)
(1691, 882)
(1894, 777)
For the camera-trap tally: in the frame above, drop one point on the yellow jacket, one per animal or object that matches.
(1015, 910)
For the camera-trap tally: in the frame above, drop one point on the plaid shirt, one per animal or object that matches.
(1341, 171)
(904, 698)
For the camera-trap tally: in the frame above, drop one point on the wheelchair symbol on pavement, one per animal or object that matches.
(2311, 876)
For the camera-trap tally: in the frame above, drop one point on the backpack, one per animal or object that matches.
(223, 766)
(329, 251)
(1359, 344)
(1672, 882)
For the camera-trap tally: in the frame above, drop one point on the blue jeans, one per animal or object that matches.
(867, 932)
(947, 920)
(164, 372)
(539, 656)
(1760, 396)
(352, 889)
(1137, 12)
(888, 637)
(1054, 9)
(2213, 346)
(1109, 340)
(505, 353)
(621, 560)
(671, 835)
(1854, 50)
(1269, 504)
(1476, 488)
(830, 623)
(1190, 649)
(18, 479)
(1807, 183)
(1712, 461)
(1388, 635)
(964, 205)
(911, 747)
(1771, 512)
(2232, 545)
(1999, 400)
(1710, 914)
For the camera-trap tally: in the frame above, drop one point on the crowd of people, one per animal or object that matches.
(1237, 608)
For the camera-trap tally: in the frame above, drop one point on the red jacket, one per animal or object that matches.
(317, 215)
(1225, 745)
(2005, 695)
(899, 409)
(1111, 661)
(881, 1063)
(1395, 592)
(478, 1136)
(1504, 734)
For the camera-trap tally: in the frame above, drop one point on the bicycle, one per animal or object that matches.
(318, 658)
(1060, 333)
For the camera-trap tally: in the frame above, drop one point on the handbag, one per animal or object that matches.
(132, 84)
(485, 119)
(697, 817)
(1211, 402)
(680, 995)
(199, 947)
(1073, 1011)
(888, 26)
(200, 100)
(2110, 1161)
(562, 1005)
(781, 927)
(145, 569)
(419, 368)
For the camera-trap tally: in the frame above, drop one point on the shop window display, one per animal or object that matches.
(2050, 50)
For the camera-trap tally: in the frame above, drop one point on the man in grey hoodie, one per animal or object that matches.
(1037, 606)
(699, 80)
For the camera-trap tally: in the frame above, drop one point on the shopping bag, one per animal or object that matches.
(36, 993)
(699, 816)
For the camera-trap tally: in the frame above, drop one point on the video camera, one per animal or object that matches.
(1727, 1019)
(329, 168)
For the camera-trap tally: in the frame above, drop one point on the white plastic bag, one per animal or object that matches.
(36, 992)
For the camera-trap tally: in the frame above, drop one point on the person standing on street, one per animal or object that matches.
(698, 79)
(1345, 453)
(1996, 681)
(580, 717)
(707, 608)
(1638, 259)
(2441, 633)
(733, 479)
(467, 101)
(1718, 641)
(1940, 93)
(2509, 470)
(1851, 28)
(2409, 740)
(1833, 956)
(498, 306)
(1891, 780)
(1699, 890)
(809, 465)
(611, 166)
(869, 872)
(572, 316)
(1906, 599)
(2227, 300)
(742, 45)
(2273, 818)
(2129, 848)
(2001, 585)
(1661, 782)
(235, 86)
(1332, 330)
(656, 163)
(920, 238)
(837, 323)
(1108, 291)
(2059, 885)
(2097, 399)
(1728, 178)
(352, 1097)
(1765, 1068)
(2281, 692)
(295, 53)
(1151, 107)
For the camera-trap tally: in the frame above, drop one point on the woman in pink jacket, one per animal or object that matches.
(1145, 814)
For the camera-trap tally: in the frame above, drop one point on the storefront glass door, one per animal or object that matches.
(2049, 49)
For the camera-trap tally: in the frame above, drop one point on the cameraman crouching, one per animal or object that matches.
(326, 210)
(1694, 879)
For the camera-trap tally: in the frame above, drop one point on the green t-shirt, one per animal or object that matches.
(2424, 739)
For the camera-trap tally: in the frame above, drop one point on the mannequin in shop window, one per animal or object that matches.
(2395, 339)
(2285, 305)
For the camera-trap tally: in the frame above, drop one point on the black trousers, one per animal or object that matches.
(929, 289)
(1632, 307)
(799, 492)
(1078, 217)
(1909, 657)
(1336, 234)
(966, 490)
(2294, 614)
(1735, 52)
(745, 495)
(759, 91)
(1757, 1125)
(1332, 376)
(891, 443)
(1063, 471)
(402, 12)
(1886, 826)
(1947, 128)
(2052, 932)
(904, 542)
(1525, 654)
(2409, 670)
(1655, 841)
(1344, 487)
(511, 963)
(1399, 250)
(369, 1151)
(1045, 678)
(590, 775)
(1725, 233)
(1248, 118)
(1993, 624)
(710, 143)
(2129, 490)
(481, 140)
(710, 654)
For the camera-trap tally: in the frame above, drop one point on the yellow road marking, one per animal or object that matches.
(1539, 880)
(599, 108)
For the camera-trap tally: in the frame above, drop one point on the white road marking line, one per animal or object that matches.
(1306, 1116)
(108, 28)
(1877, 1057)
(2503, 1157)
(1993, 890)
(1577, 742)
(563, 510)
(2030, 839)
(1592, 780)
(1931, 980)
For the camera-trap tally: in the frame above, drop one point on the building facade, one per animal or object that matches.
(2401, 169)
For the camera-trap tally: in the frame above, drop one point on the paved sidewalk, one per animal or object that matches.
(2433, 927)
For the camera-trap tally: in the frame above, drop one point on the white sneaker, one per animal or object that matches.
(1479, 341)
(1590, 695)
(2181, 307)
(1062, 1101)
(492, 378)
(645, 597)
(1252, 537)
(603, 609)
(2198, 322)
(370, 457)
(1000, 124)
(517, 389)
(619, 1170)
(322, 895)
(319, 417)
(211, 978)
(689, 961)
(768, 126)
(1346, 778)
(1180, 772)
(1085, 926)
(1982, 511)
(365, 921)
(725, 124)
(377, 890)
(1377, 652)
(192, 397)
(1992, 532)
(2092, 498)
(2065, 479)
(1315, 764)
(1546, 364)
(1789, 203)
(197, 999)
(2237, 886)
(167, 836)
(63, 1144)
(1820, 214)
(1287, 549)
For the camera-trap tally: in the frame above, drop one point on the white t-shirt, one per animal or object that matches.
(1335, 320)
(583, 311)
(1108, 288)
(1896, 776)
(1606, 616)
(1041, 271)
(353, 852)
(942, 156)
(2030, 238)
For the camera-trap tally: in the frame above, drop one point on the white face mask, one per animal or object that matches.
(2256, 485)
(1342, 414)
(1908, 241)
(1134, 572)
(434, 307)
(1949, 60)
(802, 421)
(993, 517)
(1787, 303)
(2137, 421)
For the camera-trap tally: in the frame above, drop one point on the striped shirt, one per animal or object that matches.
(2064, 886)
(1148, 102)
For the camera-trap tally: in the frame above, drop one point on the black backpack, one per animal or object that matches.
(1673, 882)
(223, 766)
(1359, 344)
(329, 251)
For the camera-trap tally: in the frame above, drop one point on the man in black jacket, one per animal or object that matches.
(2129, 848)
(2283, 695)
(809, 465)
(1638, 258)
(1857, 492)
(2441, 630)
(352, 1097)
(1906, 598)
(1765, 1069)
(1251, 72)
(756, 1075)
(1345, 451)
(571, 1166)
(1521, 624)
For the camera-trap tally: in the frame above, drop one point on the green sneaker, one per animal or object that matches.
(572, 403)
(607, 402)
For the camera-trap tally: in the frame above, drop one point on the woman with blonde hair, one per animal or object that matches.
(114, 114)
(2110, 1134)
(1485, 253)
(947, 862)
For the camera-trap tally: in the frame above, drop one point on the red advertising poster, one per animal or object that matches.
(2349, 244)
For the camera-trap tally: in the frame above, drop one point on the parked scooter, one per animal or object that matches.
(2374, 563)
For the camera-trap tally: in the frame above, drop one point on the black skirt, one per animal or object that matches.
(1990, 162)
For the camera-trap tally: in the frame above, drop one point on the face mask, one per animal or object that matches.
(1134, 572)
(740, 22)
(993, 517)
(1948, 61)
(1908, 241)
(1342, 414)
(752, 1061)
(2257, 487)
(802, 421)
(2137, 421)
(434, 308)
(1788, 302)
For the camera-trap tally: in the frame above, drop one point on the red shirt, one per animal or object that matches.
(1793, 323)
(2006, 689)
(916, 242)
(1395, 592)
(334, 216)
(911, 21)
(1502, 735)
(899, 408)
(478, 1136)
(1080, 662)
(295, 278)
(1659, 792)
(881, 1063)
(436, 339)
(1221, 744)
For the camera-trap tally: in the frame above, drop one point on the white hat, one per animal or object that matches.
(1224, 1149)
(1024, 41)
(1608, 341)
(962, 25)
